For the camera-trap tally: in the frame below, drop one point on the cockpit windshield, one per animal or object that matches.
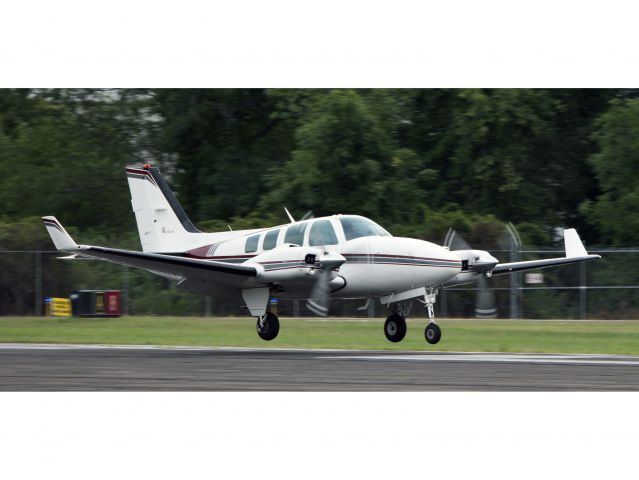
(355, 227)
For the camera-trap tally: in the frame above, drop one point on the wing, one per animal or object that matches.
(195, 271)
(575, 252)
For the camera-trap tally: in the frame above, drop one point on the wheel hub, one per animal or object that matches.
(392, 328)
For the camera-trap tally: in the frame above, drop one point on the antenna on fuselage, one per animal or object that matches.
(289, 215)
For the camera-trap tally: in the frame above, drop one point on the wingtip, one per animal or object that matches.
(573, 244)
(61, 239)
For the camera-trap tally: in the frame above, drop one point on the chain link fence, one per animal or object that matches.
(600, 289)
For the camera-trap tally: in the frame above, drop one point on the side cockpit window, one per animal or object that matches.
(251, 243)
(322, 233)
(355, 227)
(295, 234)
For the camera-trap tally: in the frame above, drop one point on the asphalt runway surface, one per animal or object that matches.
(122, 368)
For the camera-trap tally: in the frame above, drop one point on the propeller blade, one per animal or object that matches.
(319, 299)
(485, 306)
(308, 215)
(454, 241)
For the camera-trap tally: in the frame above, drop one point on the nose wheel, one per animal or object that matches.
(432, 333)
(268, 326)
(395, 328)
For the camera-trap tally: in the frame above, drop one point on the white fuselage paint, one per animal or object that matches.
(375, 265)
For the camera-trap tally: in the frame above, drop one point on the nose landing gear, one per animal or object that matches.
(432, 333)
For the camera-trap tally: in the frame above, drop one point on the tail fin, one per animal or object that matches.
(61, 239)
(163, 225)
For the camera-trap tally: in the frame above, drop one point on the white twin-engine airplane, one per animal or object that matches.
(341, 256)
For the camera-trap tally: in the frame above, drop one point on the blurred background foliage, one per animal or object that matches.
(416, 161)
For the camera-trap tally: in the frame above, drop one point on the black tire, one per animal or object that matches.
(395, 328)
(433, 333)
(270, 328)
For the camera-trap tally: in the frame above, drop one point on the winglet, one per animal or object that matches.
(574, 247)
(61, 239)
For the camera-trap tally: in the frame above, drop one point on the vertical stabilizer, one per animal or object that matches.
(162, 223)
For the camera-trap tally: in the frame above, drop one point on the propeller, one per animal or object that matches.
(454, 241)
(325, 263)
(485, 304)
(308, 215)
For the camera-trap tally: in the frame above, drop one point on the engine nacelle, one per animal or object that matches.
(287, 263)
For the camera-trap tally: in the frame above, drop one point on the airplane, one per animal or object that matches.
(318, 259)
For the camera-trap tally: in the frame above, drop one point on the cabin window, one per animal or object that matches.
(295, 234)
(322, 233)
(270, 239)
(355, 227)
(251, 243)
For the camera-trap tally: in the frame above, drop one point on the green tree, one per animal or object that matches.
(67, 157)
(223, 142)
(340, 163)
(515, 153)
(616, 164)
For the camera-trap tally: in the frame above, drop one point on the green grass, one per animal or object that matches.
(620, 337)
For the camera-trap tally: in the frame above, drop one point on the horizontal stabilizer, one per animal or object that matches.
(61, 239)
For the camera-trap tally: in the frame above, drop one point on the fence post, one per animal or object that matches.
(515, 243)
(583, 292)
(371, 308)
(125, 291)
(443, 302)
(38, 284)
(208, 305)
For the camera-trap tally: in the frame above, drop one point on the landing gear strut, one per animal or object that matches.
(395, 328)
(268, 326)
(432, 333)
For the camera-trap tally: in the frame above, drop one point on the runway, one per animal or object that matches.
(131, 368)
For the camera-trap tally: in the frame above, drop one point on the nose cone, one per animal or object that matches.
(485, 263)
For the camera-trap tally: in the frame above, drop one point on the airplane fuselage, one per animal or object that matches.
(376, 262)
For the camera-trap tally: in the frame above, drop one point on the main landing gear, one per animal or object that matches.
(395, 325)
(268, 326)
(395, 328)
